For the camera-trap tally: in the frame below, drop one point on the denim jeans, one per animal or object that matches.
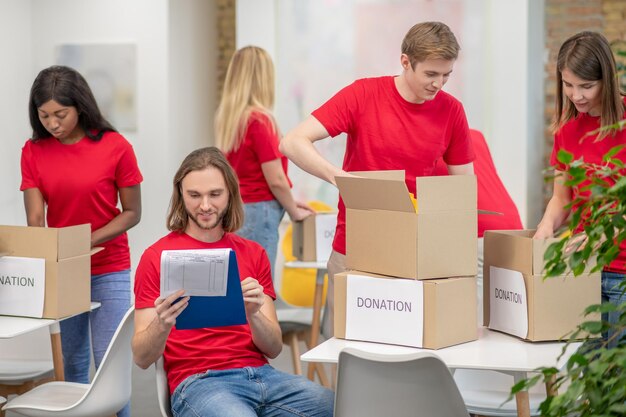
(261, 225)
(243, 392)
(612, 292)
(113, 292)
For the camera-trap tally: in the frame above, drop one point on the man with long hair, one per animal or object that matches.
(220, 371)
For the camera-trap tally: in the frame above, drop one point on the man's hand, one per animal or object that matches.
(167, 311)
(253, 296)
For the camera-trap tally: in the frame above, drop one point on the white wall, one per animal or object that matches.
(15, 80)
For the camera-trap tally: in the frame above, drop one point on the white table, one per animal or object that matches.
(12, 326)
(318, 302)
(492, 351)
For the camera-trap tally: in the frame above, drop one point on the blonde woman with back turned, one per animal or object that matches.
(245, 130)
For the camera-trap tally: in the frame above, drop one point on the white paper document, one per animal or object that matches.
(325, 224)
(508, 303)
(385, 311)
(22, 286)
(200, 272)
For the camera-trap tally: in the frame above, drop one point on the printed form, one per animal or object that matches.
(200, 272)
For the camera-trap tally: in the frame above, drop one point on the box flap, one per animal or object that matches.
(74, 240)
(396, 175)
(510, 249)
(375, 194)
(447, 192)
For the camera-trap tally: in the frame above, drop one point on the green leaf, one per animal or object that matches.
(564, 157)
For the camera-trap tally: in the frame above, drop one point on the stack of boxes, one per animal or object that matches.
(412, 278)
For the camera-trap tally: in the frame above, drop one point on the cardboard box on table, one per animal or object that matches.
(386, 234)
(312, 237)
(516, 298)
(431, 314)
(67, 253)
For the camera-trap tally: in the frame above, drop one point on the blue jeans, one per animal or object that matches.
(253, 392)
(113, 292)
(261, 225)
(613, 292)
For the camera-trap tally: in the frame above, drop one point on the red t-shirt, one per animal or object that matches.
(188, 352)
(80, 184)
(570, 138)
(386, 132)
(492, 195)
(260, 145)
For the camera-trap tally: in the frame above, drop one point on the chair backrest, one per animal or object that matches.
(163, 390)
(112, 383)
(413, 385)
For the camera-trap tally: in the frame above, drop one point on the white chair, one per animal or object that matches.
(374, 385)
(485, 392)
(163, 390)
(108, 392)
(25, 362)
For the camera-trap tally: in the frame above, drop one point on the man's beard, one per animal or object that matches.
(207, 226)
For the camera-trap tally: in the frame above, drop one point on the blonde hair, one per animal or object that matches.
(588, 55)
(177, 217)
(430, 40)
(248, 87)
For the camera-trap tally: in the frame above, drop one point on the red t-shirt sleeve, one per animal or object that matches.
(127, 172)
(29, 177)
(460, 150)
(263, 138)
(337, 114)
(147, 282)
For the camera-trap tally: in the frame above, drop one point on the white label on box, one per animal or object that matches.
(385, 310)
(22, 286)
(325, 225)
(508, 304)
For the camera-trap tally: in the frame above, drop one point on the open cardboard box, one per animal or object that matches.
(385, 234)
(67, 253)
(516, 298)
(430, 314)
(312, 237)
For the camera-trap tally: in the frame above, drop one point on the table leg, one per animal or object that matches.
(57, 351)
(550, 388)
(522, 399)
(315, 328)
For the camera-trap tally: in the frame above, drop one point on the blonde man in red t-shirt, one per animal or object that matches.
(394, 122)
(221, 371)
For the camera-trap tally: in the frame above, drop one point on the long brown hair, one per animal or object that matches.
(588, 55)
(177, 217)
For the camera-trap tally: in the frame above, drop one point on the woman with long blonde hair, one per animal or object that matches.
(245, 130)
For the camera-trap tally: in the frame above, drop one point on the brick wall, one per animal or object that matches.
(226, 39)
(564, 18)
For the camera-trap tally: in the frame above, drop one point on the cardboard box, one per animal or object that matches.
(431, 314)
(67, 253)
(312, 238)
(385, 234)
(516, 298)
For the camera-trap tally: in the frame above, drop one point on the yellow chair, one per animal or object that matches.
(295, 299)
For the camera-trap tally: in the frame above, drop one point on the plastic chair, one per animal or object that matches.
(163, 390)
(108, 392)
(484, 393)
(374, 385)
(25, 362)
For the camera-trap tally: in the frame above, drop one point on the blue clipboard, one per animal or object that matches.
(217, 311)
